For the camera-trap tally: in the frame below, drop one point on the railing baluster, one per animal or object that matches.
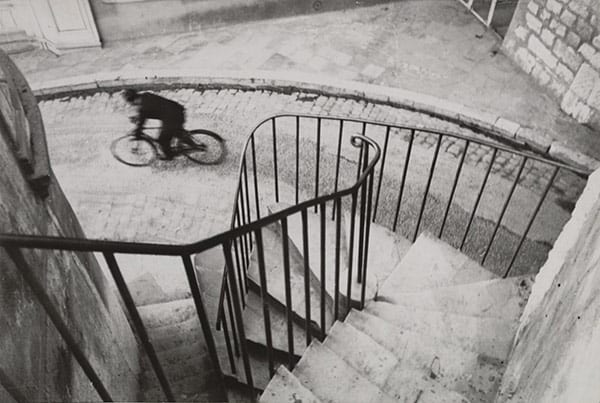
(431, 172)
(318, 161)
(351, 252)
(337, 162)
(381, 170)
(247, 237)
(323, 269)
(454, 184)
(478, 199)
(202, 316)
(38, 289)
(404, 172)
(531, 220)
(254, 172)
(241, 271)
(367, 237)
(275, 168)
(228, 346)
(231, 318)
(264, 293)
(504, 207)
(338, 236)
(361, 233)
(297, 156)
(238, 316)
(288, 292)
(307, 275)
(138, 324)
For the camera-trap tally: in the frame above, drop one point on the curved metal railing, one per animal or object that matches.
(419, 181)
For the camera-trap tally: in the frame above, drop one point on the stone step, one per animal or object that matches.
(332, 379)
(490, 337)
(167, 313)
(254, 326)
(469, 373)
(381, 366)
(275, 275)
(286, 388)
(386, 250)
(498, 298)
(176, 335)
(431, 263)
(314, 252)
(210, 281)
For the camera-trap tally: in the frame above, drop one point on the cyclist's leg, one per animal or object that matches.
(167, 133)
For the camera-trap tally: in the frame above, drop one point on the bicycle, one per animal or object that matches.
(200, 145)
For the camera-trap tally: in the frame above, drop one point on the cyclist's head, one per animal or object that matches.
(130, 95)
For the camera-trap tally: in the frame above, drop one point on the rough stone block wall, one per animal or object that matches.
(555, 354)
(558, 43)
(35, 362)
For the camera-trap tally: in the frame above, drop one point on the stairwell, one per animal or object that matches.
(437, 327)
(439, 330)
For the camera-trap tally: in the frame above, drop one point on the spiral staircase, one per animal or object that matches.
(337, 281)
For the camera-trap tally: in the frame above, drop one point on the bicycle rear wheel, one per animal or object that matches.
(134, 151)
(204, 147)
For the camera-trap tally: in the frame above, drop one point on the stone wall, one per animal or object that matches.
(558, 43)
(555, 356)
(127, 19)
(35, 363)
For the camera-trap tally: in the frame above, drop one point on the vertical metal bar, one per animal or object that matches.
(367, 238)
(255, 178)
(306, 274)
(431, 172)
(38, 289)
(138, 324)
(531, 220)
(228, 346)
(275, 170)
(454, 184)
(337, 163)
(202, 316)
(317, 168)
(381, 170)
(264, 293)
(241, 273)
(297, 156)
(404, 171)
(338, 236)
(351, 252)
(323, 269)
(361, 233)
(504, 207)
(360, 156)
(481, 189)
(238, 316)
(231, 318)
(247, 237)
(288, 291)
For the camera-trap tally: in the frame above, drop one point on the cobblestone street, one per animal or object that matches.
(181, 202)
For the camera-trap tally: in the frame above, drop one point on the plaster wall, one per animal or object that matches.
(558, 43)
(34, 360)
(127, 19)
(555, 356)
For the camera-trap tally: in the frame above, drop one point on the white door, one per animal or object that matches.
(66, 24)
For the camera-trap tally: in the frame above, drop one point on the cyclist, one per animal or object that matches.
(152, 106)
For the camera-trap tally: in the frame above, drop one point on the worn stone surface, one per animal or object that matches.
(33, 354)
(552, 357)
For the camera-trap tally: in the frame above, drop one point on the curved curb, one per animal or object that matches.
(289, 81)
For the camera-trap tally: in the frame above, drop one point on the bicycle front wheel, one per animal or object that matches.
(134, 151)
(204, 147)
